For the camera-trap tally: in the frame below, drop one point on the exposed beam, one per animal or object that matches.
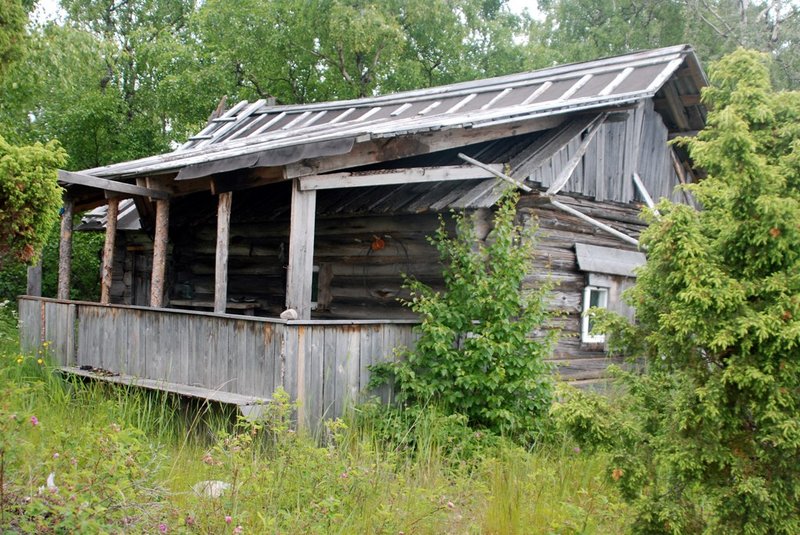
(676, 106)
(497, 174)
(380, 150)
(301, 251)
(69, 177)
(547, 145)
(566, 172)
(648, 200)
(221, 266)
(592, 221)
(65, 249)
(358, 179)
(108, 251)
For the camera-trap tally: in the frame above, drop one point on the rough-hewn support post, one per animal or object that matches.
(65, 250)
(159, 253)
(108, 251)
(221, 268)
(301, 251)
(35, 279)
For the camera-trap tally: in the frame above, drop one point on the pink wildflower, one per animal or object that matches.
(189, 520)
(238, 529)
(162, 528)
(56, 455)
(34, 421)
(228, 519)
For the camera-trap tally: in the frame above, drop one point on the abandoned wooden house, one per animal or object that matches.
(319, 208)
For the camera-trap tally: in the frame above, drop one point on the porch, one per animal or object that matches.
(323, 364)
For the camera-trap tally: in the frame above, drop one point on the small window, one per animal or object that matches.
(593, 296)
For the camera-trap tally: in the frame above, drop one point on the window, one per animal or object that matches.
(593, 296)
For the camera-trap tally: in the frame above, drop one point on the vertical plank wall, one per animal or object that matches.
(323, 364)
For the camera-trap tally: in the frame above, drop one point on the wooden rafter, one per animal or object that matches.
(69, 177)
(396, 176)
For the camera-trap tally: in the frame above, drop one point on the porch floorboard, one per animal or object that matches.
(184, 390)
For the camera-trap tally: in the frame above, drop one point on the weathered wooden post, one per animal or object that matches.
(159, 253)
(65, 249)
(221, 267)
(301, 251)
(35, 279)
(108, 250)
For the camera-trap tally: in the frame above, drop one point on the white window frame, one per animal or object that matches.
(586, 336)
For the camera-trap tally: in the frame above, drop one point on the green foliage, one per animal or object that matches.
(476, 355)
(719, 320)
(84, 280)
(12, 32)
(30, 198)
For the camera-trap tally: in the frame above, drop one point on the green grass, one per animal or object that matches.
(125, 460)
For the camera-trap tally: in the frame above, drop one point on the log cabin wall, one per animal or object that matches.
(360, 256)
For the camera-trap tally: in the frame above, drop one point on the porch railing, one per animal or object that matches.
(321, 363)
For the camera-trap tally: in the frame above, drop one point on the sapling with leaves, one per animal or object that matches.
(476, 355)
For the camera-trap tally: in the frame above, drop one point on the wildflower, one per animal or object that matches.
(19, 360)
(576, 449)
(617, 473)
(451, 505)
(238, 529)
(46, 343)
(34, 421)
(228, 519)
(39, 362)
(115, 427)
(162, 528)
(189, 520)
(56, 455)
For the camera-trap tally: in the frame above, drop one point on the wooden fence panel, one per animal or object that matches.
(323, 364)
(30, 325)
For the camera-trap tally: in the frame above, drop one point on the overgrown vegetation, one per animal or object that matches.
(133, 462)
(475, 355)
(710, 438)
(84, 280)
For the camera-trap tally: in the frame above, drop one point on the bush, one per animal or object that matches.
(718, 309)
(476, 355)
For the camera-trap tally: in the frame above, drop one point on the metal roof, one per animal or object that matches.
(261, 135)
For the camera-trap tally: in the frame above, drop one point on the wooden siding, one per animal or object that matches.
(555, 260)
(323, 364)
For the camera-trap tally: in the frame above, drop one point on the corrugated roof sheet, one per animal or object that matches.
(258, 134)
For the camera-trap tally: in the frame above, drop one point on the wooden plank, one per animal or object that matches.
(159, 254)
(165, 386)
(34, 279)
(301, 251)
(303, 343)
(69, 177)
(497, 174)
(65, 249)
(107, 268)
(221, 267)
(576, 158)
(396, 176)
(596, 223)
(329, 373)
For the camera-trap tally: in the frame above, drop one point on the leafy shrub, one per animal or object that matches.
(30, 197)
(476, 355)
(84, 280)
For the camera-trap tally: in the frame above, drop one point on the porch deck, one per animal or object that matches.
(322, 363)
